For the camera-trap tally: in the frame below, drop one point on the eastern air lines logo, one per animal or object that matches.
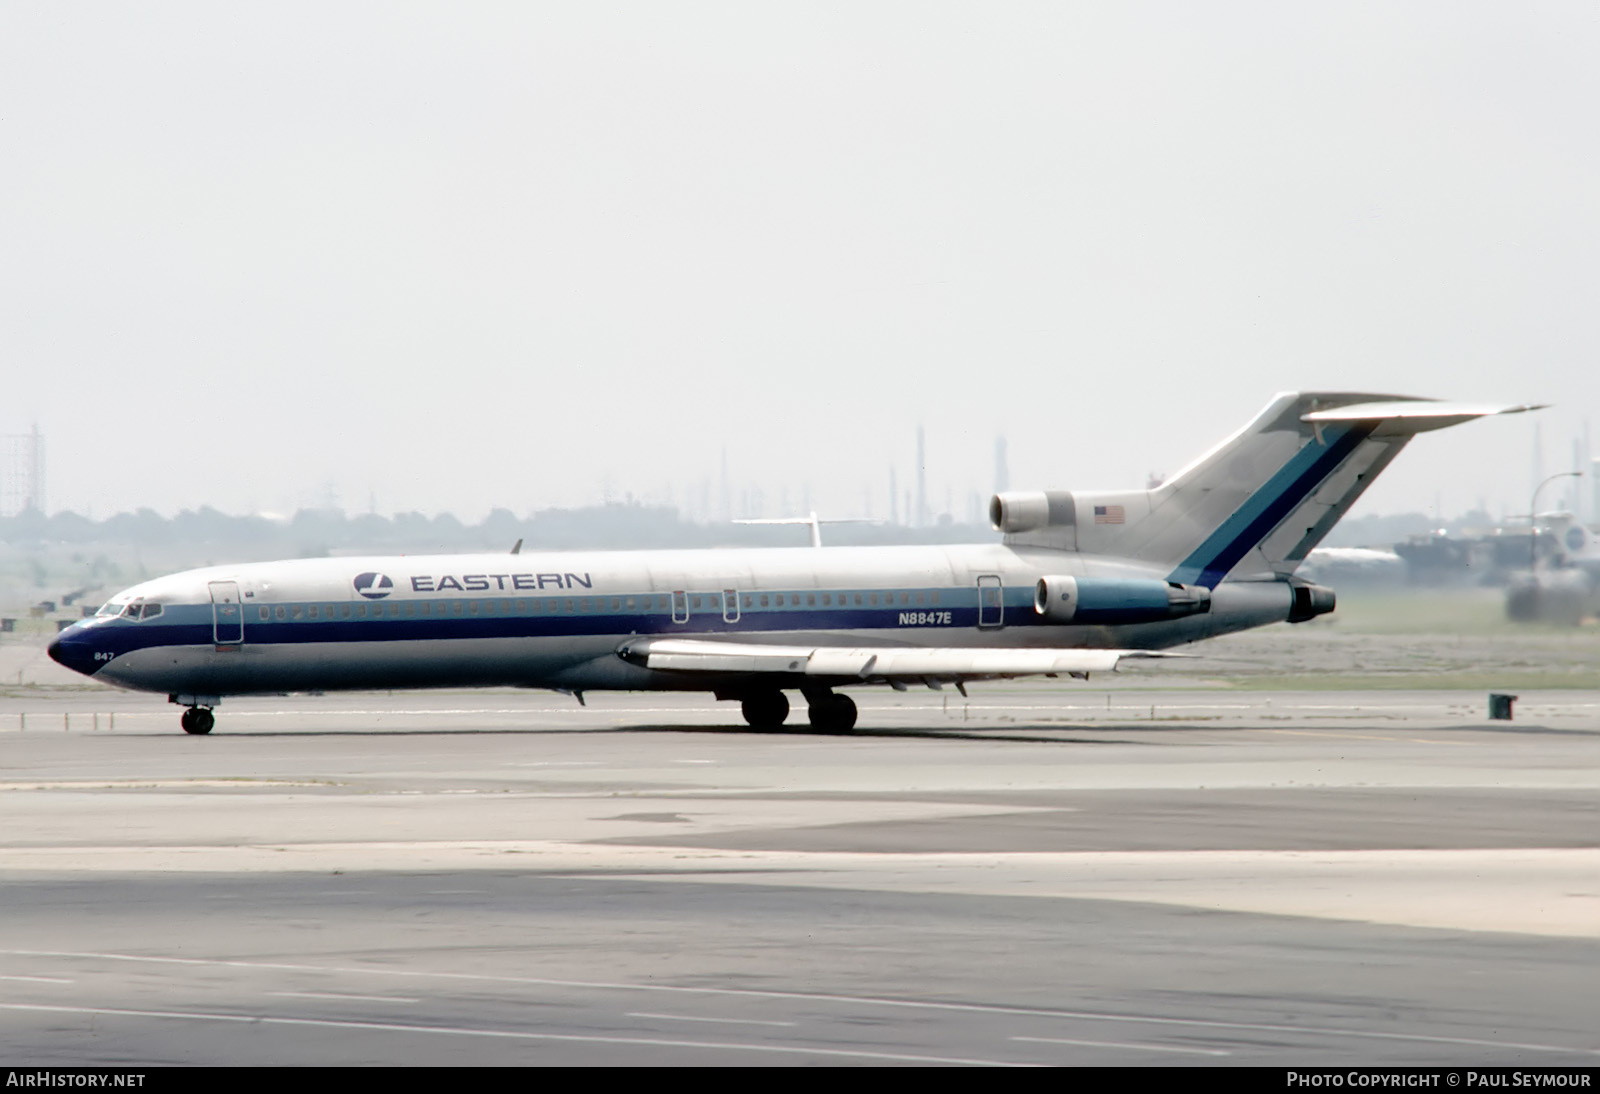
(374, 586)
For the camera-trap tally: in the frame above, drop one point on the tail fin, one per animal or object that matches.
(1255, 505)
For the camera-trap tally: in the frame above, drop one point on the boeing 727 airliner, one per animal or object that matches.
(1080, 582)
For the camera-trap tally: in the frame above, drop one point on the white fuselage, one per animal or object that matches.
(558, 620)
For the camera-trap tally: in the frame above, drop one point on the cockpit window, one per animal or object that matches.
(137, 608)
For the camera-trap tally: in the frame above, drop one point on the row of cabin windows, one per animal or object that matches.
(425, 609)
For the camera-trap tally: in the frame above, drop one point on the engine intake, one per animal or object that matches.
(1112, 600)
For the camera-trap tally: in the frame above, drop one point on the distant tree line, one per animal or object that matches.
(314, 532)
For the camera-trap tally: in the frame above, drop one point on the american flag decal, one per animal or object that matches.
(1108, 514)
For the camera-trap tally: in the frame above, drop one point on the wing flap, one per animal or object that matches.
(872, 662)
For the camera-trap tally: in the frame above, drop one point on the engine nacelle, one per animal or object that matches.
(1019, 511)
(1030, 510)
(1114, 600)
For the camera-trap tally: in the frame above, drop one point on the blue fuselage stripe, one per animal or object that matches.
(1104, 601)
(192, 625)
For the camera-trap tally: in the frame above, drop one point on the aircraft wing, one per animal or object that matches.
(886, 663)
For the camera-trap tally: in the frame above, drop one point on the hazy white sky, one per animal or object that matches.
(452, 256)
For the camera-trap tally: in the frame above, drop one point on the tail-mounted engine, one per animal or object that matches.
(1028, 510)
(1112, 600)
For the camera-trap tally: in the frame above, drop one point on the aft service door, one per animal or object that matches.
(227, 614)
(991, 608)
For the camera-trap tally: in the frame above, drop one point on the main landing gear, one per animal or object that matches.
(765, 709)
(831, 712)
(197, 720)
(827, 711)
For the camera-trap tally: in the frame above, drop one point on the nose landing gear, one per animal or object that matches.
(197, 720)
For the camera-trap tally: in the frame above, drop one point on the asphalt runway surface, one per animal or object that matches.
(1042, 874)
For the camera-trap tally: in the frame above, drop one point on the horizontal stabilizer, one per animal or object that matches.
(1403, 418)
(872, 662)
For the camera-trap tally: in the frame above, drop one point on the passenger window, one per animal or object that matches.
(811, 600)
(905, 598)
(567, 606)
(344, 611)
(933, 597)
(522, 606)
(411, 609)
(455, 607)
(827, 600)
(281, 612)
(779, 600)
(872, 598)
(749, 601)
(263, 611)
(763, 600)
(921, 599)
(616, 605)
(858, 600)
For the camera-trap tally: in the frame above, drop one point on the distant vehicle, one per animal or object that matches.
(1562, 582)
(1489, 557)
(1081, 582)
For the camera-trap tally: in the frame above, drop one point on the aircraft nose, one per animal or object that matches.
(69, 650)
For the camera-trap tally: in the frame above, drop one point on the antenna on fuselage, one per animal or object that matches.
(517, 549)
(815, 522)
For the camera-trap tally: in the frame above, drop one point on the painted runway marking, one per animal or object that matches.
(343, 995)
(822, 997)
(514, 1034)
(693, 1018)
(40, 979)
(1124, 1044)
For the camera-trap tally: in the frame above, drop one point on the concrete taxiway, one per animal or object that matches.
(1041, 874)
